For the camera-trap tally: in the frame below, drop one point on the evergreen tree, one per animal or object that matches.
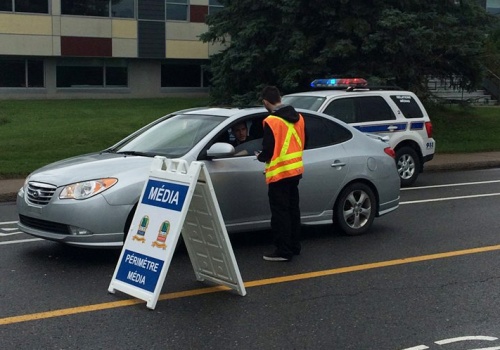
(288, 43)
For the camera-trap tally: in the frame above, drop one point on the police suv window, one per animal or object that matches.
(360, 109)
(321, 132)
(408, 106)
(372, 109)
(311, 103)
(343, 109)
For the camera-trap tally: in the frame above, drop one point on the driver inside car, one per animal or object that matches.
(240, 133)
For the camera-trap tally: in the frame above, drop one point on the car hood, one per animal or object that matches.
(91, 166)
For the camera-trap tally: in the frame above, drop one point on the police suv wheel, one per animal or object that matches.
(408, 165)
(355, 209)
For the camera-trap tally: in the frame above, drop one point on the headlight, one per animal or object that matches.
(86, 189)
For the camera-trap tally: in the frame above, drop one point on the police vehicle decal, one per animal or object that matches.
(416, 125)
(382, 127)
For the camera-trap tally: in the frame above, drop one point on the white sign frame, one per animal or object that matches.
(166, 210)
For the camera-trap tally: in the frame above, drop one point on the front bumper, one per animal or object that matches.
(87, 223)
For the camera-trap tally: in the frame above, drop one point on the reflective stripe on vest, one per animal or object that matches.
(284, 164)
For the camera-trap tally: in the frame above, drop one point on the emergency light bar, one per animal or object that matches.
(339, 83)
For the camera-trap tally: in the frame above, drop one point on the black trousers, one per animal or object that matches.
(285, 215)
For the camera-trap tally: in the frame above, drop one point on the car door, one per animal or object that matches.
(240, 184)
(326, 165)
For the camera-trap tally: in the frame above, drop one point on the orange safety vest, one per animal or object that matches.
(289, 139)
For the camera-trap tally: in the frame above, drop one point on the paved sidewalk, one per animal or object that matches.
(441, 162)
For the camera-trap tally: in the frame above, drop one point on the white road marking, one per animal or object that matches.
(21, 241)
(8, 231)
(9, 234)
(458, 339)
(8, 222)
(450, 198)
(451, 185)
(474, 337)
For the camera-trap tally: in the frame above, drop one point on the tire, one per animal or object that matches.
(128, 222)
(355, 209)
(408, 165)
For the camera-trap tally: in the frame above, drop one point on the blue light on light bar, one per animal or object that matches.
(337, 83)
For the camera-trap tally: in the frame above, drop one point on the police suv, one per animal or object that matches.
(385, 111)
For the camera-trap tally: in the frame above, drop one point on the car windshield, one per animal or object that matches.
(172, 137)
(311, 103)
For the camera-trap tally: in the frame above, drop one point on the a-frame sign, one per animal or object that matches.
(177, 199)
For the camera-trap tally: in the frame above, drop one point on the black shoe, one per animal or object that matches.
(276, 257)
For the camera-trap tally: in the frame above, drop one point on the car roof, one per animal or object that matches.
(355, 92)
(224, 111)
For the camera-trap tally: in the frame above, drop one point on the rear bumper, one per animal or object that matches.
(428, 157)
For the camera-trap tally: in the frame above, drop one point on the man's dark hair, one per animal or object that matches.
(271, 94)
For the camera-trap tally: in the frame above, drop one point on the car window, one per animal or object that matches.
(343, 109)
(322, 132)
(373, 108)
(172, 137)
(253, 143)
(360, 109)
(408, 106)
(312, 103)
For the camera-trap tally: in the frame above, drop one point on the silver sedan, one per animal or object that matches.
(350, 178)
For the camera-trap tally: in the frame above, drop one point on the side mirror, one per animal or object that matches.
(220, 150)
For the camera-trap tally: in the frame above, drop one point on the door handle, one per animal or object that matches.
(338, 164)
(392, 128)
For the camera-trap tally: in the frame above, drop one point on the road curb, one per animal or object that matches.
(8, 197)
(462, 166)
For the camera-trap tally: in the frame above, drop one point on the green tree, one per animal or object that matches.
(288, 43)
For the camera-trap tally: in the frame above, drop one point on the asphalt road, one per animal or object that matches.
(425, 277)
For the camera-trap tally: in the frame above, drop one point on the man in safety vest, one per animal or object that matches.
(282, 147)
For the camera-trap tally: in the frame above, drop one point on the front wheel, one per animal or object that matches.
(128, 222)
(355, 209)
(408, 165)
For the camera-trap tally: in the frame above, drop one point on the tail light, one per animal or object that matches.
(428, 128)
(390, 152)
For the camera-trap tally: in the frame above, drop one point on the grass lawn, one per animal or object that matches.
(465, 130)
(37, 132)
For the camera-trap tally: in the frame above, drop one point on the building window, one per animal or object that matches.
(85, 7)
(21, 73)
(92, 73)
(493, 6)
(29, 6)
(32, 6)
(98, 8)
(214, 6)
(181, 75)
(177, 10)
(151, 10)
(116, 76)
(122, 8)
(6, 5)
